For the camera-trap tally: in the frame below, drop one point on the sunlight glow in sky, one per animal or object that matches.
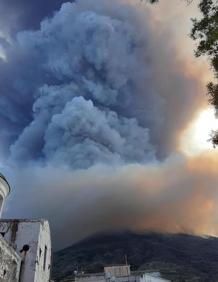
(196, 137)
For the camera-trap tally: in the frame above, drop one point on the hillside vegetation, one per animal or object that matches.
(178, 257)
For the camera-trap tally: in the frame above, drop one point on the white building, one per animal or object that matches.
(25, 246)
(120, 273)
(152, 277)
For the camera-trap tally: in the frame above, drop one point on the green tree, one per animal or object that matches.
(205, 31)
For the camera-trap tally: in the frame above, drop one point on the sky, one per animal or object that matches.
(104, 118)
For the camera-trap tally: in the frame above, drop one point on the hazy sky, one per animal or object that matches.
(104, 117)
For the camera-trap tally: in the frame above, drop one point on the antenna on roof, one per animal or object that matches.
(126, 261)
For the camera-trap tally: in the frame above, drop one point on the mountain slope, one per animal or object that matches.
(178, 257)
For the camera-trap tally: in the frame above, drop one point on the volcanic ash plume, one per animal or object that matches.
(86, 88)
(95, 88)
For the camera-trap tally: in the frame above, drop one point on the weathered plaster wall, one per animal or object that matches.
(43, 267)
(31, 239)
(19, 234)
(9, 263)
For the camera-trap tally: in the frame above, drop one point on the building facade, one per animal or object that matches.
(25, 246)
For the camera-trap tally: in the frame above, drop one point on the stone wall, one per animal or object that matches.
(10, 263)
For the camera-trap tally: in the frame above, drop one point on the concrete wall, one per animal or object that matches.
(131, 278)
(31, 239)
(9, 263)
(150, 278)
(90, 278)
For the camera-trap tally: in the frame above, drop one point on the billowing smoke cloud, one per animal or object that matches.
(87, 88)
(175, 196)
(91, 104)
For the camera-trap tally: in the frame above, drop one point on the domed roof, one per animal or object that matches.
(2, 177)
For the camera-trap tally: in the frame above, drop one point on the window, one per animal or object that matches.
(45, 257)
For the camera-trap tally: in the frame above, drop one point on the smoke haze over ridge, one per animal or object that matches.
(92, 106)
(178, 195)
